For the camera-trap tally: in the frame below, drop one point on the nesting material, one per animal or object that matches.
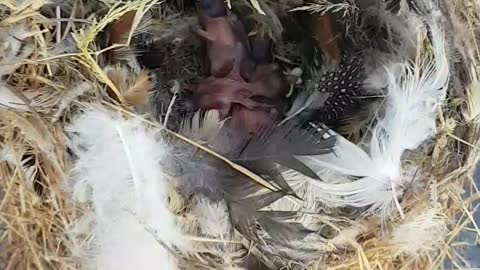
(106, 164)
(131, 226)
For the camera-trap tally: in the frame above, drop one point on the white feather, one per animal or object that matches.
(9, 154)
(118, 173)
(423, 233)
(213, 217)
(213, 221)
(202, 127)
(308, 191)
(415, 91)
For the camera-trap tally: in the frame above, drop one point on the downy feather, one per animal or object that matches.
(202, 126)
(423, 233)
(118, 173)
(213, 217)
(214, 222)
(413, 98)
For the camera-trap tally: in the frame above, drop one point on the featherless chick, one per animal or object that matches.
(237, 85)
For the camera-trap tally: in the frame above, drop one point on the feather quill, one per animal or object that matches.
(10, 100)
(413, 98)
(118, 172)
(12, 48)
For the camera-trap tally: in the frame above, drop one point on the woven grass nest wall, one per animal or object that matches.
(107, 163)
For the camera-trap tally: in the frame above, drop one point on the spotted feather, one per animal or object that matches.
(345, 86)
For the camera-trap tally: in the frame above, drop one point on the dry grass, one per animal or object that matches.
(36, 213)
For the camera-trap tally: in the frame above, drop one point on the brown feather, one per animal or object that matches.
(118, 33)
(118, 76)
(137, 94)
(121, 27)
(326, 36)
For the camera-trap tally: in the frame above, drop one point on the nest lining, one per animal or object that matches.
(38, 214)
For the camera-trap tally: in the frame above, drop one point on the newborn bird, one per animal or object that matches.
(237, 86)
(227, 42)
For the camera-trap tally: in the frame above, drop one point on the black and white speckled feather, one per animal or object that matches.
(344, 85)
(332, 96)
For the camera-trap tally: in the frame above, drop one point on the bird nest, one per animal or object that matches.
(78, 75)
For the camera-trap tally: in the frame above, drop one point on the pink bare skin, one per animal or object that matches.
(236, 86)
(221, 93)
(268, 81)
(226, 45)
(251, 121)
